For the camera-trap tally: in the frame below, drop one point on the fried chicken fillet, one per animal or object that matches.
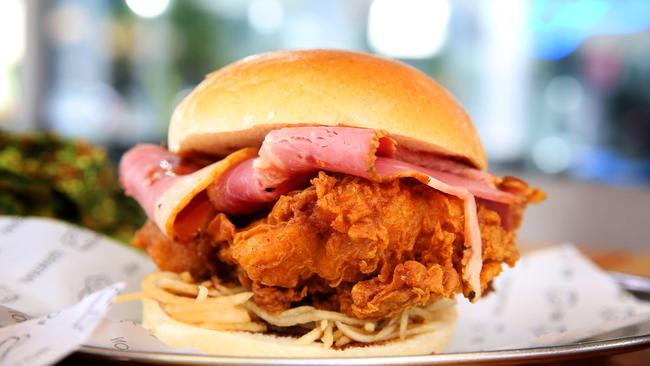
(344, 243)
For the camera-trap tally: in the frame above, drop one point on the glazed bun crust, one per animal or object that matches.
(229, 343)
(237, 105)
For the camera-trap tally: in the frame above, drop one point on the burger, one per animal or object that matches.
(319, 203)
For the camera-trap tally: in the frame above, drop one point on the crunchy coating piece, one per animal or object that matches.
(196, 257)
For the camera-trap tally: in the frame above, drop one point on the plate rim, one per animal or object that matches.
(561, 352)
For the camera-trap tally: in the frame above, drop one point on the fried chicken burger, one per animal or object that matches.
(319, 203)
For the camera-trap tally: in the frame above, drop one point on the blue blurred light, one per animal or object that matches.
(559, 27)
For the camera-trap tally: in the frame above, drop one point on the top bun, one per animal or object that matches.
(237, 105)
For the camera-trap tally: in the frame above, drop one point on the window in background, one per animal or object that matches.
(592, 89)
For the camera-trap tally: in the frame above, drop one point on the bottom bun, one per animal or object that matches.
(236, 343)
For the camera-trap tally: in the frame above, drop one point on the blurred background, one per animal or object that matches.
(559, 90)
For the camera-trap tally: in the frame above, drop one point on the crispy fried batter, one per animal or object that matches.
(172, 256)
(207, 254)
(394, 244)
(276, 299)
(364, 248)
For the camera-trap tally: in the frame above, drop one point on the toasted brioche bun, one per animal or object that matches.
(236, 106)
(230, 343)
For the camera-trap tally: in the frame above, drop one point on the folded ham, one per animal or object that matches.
(147, 172)
(244, 183)
(290, 152)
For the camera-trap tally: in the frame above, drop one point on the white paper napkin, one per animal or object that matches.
(552, 296)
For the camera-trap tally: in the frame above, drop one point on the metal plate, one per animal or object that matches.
(529, 355)
(628, 339)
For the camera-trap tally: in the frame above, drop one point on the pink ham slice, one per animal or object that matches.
(297, 151)
(290, 156)
(147, 172)
(239, 191)
(171, 190)
(447, 165)
(290, 152)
